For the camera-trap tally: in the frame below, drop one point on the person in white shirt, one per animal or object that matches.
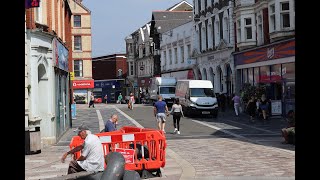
(92, 156)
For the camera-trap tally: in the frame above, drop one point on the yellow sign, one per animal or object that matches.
(71, 76)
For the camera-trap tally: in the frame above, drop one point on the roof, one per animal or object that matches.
(179, 5)
(166, 20)
(80, 4)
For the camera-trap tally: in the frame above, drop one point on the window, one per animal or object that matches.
(189, 50)
(170, 56)
(175, 55)
(250, 75)
(119, 72)
(131, 68)
(288, 71)
(77, 21)
(78, 68)
(272, 18)
(202, 5)
(77, 43)
(226, 29)
(256, 75)
(285, 15)
(182, 54)
(248, 28)
(239, 31)
(264, 73)
(260, 30)
(276, 72)
(245, 76)
(217, 31)
(165, 57)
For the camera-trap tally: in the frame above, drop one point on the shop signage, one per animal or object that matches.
(32, 3)
(276, 107)
(275, 51)
(191, 61)
(61, 55)
(141, 68)
(83, 84)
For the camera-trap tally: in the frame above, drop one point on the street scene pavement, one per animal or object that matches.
(226, 147)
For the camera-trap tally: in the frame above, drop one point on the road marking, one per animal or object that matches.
(187, 169)
(219, 129)
(101, 123)
(125, 115)
(272, 132)
(239, 136)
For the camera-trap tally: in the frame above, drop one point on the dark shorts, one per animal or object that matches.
(263, 106)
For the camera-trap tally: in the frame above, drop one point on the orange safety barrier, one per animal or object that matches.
(149, 146)
(76, 141)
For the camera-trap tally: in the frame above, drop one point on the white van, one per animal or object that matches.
(164, 86)
(197, 97)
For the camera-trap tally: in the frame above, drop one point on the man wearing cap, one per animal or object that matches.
(92, 156)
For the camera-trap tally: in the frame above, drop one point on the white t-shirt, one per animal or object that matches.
(93, 151)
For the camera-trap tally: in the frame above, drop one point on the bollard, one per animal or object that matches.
(131, 175)
(115, 167)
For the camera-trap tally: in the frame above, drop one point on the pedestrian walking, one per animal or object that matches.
(106, 98)
(176, 112)
(92, 156)
(91, 103)
(251, 108)
(264, 107)
(111, 124)
(119, 99)
(160, 111)
(236, 103)
(131, 101)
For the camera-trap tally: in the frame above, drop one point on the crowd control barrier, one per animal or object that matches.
(142, 148)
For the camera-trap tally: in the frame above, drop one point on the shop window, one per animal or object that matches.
(256, 75)
(78, 68)
(245, 76)
(288, 71)
(265, 74)
(250, 76)
(276, 72)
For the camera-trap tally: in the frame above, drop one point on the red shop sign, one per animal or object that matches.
(83, 84)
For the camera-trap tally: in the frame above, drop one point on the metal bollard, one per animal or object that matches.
(115, 167)
(131, 175)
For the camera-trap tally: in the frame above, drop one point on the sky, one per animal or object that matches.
(113, 20)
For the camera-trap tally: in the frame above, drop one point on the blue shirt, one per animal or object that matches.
(109, 126)
(160, 106)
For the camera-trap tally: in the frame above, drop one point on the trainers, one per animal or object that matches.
(175, 130)
(164, 131)
(178, 132)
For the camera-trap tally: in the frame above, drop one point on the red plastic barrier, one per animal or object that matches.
(150, 143)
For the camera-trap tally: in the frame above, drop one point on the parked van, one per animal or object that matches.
(197, 97)
(164, 86)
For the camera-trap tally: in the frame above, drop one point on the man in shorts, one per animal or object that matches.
(160, 112)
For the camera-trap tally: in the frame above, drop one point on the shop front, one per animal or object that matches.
(81, 89)
(271, 67)
(185, 74)
(62, 88)
(112, 88)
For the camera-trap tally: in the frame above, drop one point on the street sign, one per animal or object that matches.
(128, 154)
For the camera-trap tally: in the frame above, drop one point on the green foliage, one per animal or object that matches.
(256, 91)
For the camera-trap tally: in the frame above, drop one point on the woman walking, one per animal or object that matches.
(177, 112)
(131, 101)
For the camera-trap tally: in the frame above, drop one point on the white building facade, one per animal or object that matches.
(176, 49)
(214, 43)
